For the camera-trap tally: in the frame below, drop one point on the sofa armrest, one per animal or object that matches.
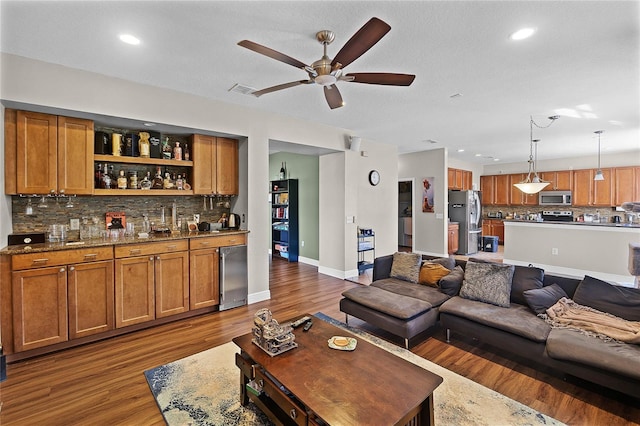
(382, 267)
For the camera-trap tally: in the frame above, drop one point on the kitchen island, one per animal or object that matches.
(55, 295)
(572, 248)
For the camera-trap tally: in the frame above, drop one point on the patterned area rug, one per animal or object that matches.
(203, 389)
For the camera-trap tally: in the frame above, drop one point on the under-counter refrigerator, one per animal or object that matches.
(466, 209)
(233, 277)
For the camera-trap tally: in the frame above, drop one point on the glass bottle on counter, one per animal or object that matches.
(146, 182)
(122, 180)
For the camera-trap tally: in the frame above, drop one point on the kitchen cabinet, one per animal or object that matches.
(49, 154)
(495, 190)
(452, 237)
(587, 192)
(204, 262)
(493, 227)
(517, 197)
(215, 168)
(459, 179)
(61, 295)
(626, 185)
(558, 181)
(151, 280)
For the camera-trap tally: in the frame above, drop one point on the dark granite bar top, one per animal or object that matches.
(44, 247)
(554, 222)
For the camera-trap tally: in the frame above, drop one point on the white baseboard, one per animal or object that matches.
(259, 297)
(308, 261)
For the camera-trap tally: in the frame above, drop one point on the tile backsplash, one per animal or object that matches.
(58, 210)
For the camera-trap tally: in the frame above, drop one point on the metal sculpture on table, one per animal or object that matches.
(270, 336)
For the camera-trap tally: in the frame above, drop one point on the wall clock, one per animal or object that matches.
(374, 177)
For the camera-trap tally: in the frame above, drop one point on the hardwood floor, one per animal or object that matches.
(103, 383)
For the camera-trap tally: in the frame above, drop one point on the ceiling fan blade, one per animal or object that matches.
(385, 78)
(363, 40)
(334, 98)
(259, 93)
(274, 54)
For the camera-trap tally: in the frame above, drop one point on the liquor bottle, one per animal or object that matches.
(166, 149)
(282, 172)
(158, 182)
(133, 180)
(168, 183)
(122, 180)
(146, 182)
(177, 151)
(187, 154)
(98, 176)
(144, 146)
(179, 182)
(106, 178)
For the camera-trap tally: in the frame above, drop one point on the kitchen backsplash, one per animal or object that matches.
(60, 211)
(523, 210)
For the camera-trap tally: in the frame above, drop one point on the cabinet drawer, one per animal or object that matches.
(62, 257)
(218, 241)
(282, 400)
(130, 250)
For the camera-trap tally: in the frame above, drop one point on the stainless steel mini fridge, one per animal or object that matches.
(233, 277)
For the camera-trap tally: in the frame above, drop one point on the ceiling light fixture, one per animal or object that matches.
(522, 33)
(533, 184)
(129, 39)
(599, 175)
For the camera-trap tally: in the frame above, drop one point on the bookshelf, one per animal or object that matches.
(284, 219)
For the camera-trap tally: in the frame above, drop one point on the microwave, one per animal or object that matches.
(554, 198)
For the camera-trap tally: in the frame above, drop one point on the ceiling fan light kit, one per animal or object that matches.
(326, 72)
(532, 184)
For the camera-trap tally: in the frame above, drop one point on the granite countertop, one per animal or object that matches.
(555, 222)
(44, 247)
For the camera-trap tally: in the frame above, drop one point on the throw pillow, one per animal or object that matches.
(406, 266)
(541, 299)
(488, 282)
(623, 302)
(525, 278)
(430, 273)
(447, 262)
(451, 283)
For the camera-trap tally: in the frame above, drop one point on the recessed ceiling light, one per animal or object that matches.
(149, 124)
(615, 122)
(461, 150)
(478, 155)
(129, 39)
(522, 33)
(496, 159)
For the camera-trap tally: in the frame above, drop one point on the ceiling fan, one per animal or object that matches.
(326, 72)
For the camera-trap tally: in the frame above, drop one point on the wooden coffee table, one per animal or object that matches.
(314, 384)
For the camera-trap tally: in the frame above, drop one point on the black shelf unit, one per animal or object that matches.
(366, 244)
(284, 219)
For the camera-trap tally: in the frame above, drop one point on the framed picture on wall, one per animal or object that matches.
(427, 195)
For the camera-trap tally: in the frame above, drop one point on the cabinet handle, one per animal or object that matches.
(293, 413)
(205, 243)
(172, 247)
(43, 260)
(90, 255)
(150, 258)
(135, 251)
(157, 257)
(72, 268)
(232, 240)
(61, 270)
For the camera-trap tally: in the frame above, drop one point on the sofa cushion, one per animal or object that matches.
(517, 319)
(541, 299)
(430, 273)
(620, 301)
(447, 262)
(406, 266)
(487, 282)
(450, 285)
(396, 305)
(428, 294)
(573, 346)
(525, 278)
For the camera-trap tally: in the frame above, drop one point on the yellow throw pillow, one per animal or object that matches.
(430, 273)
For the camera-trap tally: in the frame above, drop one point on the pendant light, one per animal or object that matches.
(532, 184)
(599, 175)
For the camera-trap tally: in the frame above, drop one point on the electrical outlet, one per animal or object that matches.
(74, 224)
(302, 243)
(554, 251)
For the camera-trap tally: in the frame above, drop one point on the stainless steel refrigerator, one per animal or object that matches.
(233, 277)
(465, 207)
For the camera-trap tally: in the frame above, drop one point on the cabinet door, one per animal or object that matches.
(75, 155)
(498, 230)
(204, 285)
(451, 178)
(453, 239)
(603, 189)
(487, 187)
(172, 283)
(91, 293)
(582, 187)
(36, 152)
(563, 180)
(39, 307)
(487, 227)
(204, 164)
(135, 295)
(227, 166)
(516, 197)
(467, 180)
(625, 184)
(502, 192)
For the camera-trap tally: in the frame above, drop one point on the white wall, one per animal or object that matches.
(574, 163)
(429, 229)
(49, 85)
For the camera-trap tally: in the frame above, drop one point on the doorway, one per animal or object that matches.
(405, 215)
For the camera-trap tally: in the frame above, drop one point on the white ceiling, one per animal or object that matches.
(584, 57)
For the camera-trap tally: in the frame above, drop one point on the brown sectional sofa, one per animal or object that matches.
(515, 329)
